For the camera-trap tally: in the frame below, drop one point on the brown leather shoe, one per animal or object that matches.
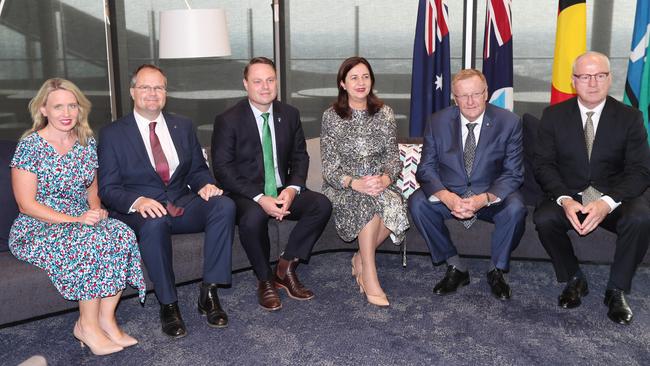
(268, 296)
(286, 278)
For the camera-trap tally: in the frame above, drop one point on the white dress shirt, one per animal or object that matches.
(477, 130)
(163, 136)
(166, 144)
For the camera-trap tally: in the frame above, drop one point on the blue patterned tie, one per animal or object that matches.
(469, 152)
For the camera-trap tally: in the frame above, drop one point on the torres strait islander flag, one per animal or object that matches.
(570, 42)
(637, 85)
(497, 53)
(431, 79)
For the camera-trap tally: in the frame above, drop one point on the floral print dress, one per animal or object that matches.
(83, 262)
(362, 145)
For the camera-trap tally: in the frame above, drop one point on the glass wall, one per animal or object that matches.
(47, 38)
(322, 36)
(50, 38)
(200, 88)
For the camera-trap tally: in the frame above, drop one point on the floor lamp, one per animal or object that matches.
(192, 33)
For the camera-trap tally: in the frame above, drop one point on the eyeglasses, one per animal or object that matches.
(585, 78)
(148, 89)
(466, 97)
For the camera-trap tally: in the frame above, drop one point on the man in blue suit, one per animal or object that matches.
(471, 168)
(153, 176)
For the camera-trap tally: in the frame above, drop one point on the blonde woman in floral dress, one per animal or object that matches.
(62, 228)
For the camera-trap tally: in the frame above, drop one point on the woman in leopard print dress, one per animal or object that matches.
(361, 164)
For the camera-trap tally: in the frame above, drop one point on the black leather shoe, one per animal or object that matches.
(498, 284)
(452, 281)
(172, 323)
(210, 307)
(619, 311)
(574, 290)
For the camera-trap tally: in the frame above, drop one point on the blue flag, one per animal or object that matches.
(637, 85)
(431, 78)
(497, 53)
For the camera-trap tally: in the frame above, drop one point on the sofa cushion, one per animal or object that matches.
(409, 155)
(9, 209)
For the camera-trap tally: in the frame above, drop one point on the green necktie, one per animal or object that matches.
(270, 185)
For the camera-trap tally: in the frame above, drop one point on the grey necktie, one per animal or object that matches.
(469, 152)
(590, 194)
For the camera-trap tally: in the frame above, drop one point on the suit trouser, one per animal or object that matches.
(312, 211)
(630, 221)
(507, 216)
(215, 217)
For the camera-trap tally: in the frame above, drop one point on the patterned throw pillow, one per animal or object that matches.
(409, 155)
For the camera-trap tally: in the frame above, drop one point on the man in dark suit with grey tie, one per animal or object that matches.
(153, 176)
(259, 157)
(471, 168)
(593, 162)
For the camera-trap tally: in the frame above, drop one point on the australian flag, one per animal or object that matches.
(497, 53)
(431, 79)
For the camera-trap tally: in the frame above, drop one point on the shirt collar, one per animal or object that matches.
(140, 120)
(597, 110)
(464, 121)
(257, 113)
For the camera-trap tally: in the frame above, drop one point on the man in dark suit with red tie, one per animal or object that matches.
(259, 156)
(593, 162)
(153, 176)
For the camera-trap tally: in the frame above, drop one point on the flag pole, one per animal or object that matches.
(469, 32)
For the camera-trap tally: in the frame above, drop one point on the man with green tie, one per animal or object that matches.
(260, 159)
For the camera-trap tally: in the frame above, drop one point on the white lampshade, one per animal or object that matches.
(190, 33)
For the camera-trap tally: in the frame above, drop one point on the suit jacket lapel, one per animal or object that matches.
(280, 137)
(486, 136)
(133, 136)
(575, 129)
(250, 125)
(606, 126)
(456, 134)
(177, 140)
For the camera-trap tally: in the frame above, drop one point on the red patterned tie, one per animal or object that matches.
(162, 167)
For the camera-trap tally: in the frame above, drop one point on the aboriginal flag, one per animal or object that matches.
(570, 42)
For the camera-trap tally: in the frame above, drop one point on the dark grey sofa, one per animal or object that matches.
(21, 282)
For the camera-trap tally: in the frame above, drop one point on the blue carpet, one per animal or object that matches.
(338, 327)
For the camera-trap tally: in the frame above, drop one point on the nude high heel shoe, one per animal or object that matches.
(378, 300)
(124, 341)
(98, 351)
(356, 271)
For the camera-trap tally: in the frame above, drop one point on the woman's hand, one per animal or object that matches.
(93, 216)
(371, 185)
